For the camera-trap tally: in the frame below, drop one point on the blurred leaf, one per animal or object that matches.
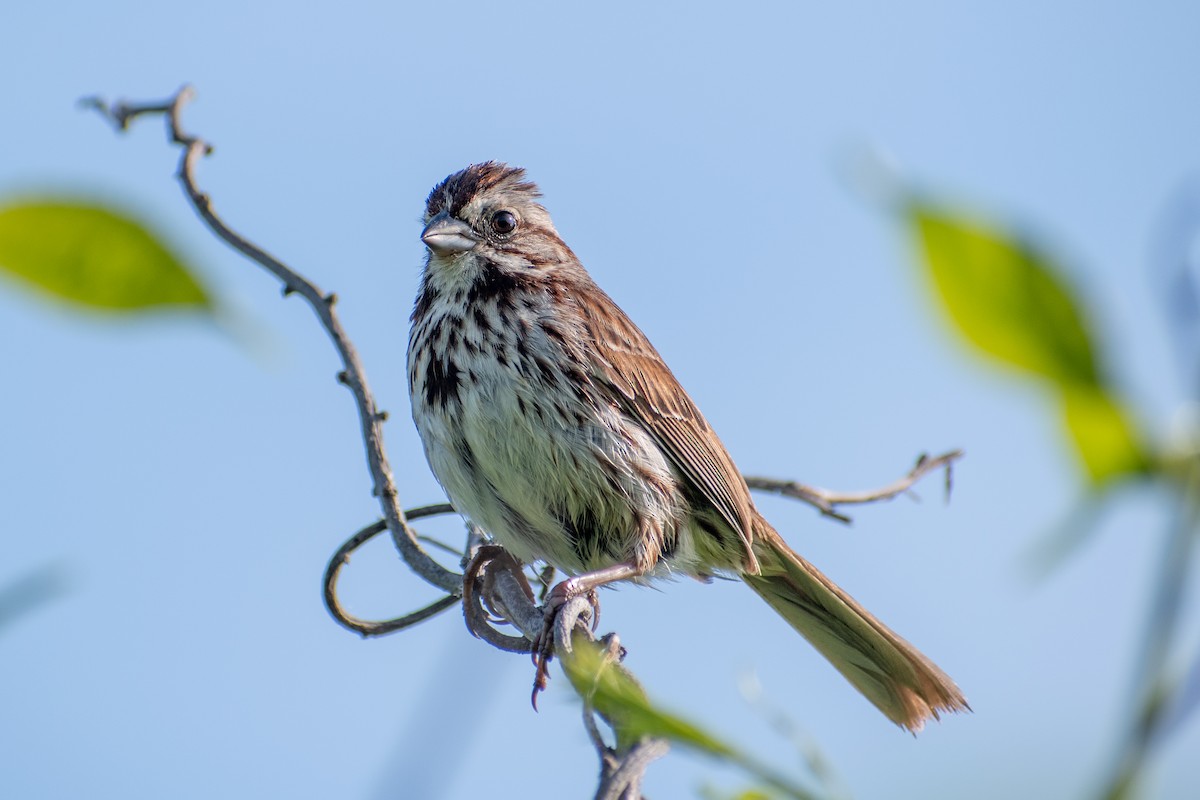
(1186, 698)
(1134, 761)
(709, 793)
(619, 698)
(31, 591)
(1009, 299)
(94, 256)
(1067, 535)
(1122, 788)
(1103, 434)
(1005, 297)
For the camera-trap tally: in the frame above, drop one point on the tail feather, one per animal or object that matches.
(902, 683)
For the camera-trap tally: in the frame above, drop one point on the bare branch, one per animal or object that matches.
(194, 148)
(621, 779)
(827, 501)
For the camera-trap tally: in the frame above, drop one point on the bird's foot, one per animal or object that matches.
(543, 645)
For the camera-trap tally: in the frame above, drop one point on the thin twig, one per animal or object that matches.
(194, 148)
(593, 729)
(827, 501)
(1156, 681)
(509, 590)
(624, 778)
(342, 557)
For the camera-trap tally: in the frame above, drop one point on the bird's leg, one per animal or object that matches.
(544, 579)
(577, 586)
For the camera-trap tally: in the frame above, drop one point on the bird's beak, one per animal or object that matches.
(447, 236)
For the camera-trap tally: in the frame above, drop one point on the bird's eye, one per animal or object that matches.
(504, 222)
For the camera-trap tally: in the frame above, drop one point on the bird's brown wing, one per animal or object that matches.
(642, 384)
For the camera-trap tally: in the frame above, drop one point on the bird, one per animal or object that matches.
(553, 424)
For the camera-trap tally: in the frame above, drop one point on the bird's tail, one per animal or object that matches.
(902, 683)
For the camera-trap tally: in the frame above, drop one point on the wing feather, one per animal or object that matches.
(637, 378)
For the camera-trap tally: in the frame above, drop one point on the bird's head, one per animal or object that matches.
(489, 214)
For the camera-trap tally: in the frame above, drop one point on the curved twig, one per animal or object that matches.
(827, 501)
(353, 376)
(342, 557)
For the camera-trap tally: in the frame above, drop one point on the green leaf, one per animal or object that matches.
(621, 700)
(1009, 299)
(618, 697)
(709, 793)
(1103, 433)
(1005, 297)
(94, 256)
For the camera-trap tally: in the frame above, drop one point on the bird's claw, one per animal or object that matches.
(543, 644)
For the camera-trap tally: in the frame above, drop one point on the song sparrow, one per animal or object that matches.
(553, 424)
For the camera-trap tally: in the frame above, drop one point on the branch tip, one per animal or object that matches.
(826, 501)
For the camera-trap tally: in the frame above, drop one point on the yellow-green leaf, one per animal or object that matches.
(1103, 434)
(619, 698)
(94, 256)
(1010, 300)
(1004, 296)
(709, 793)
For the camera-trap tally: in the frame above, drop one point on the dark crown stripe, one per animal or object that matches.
(457, 190)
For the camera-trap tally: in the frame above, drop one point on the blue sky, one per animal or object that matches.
(694, 157)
